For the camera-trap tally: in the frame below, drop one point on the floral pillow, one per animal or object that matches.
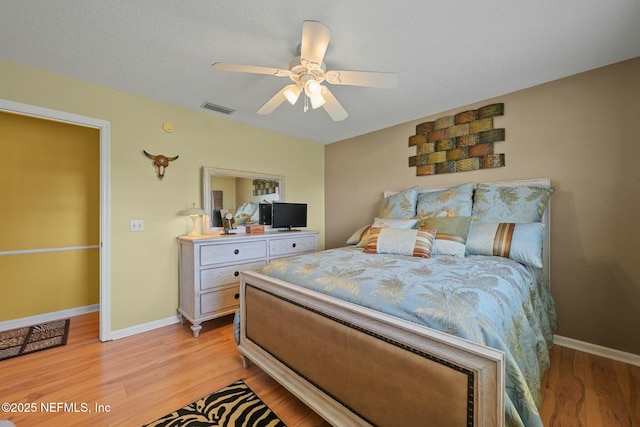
(242, 219)
(454, 201)
(519, 242)
(451, 234)
(397, 241)
(492, 203)
(401, 205)
(247, 208)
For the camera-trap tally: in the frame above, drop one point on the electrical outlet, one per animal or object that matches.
(136, 225)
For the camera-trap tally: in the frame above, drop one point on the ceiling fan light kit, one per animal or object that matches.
(292, 93)
(307, 72)
(311, 87)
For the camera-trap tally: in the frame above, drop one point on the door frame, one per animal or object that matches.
(104, 127)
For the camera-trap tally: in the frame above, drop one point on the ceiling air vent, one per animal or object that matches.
(217, 108)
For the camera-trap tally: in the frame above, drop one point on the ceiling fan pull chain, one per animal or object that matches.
(306, 103)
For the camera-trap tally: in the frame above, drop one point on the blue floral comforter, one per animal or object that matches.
(492, 301)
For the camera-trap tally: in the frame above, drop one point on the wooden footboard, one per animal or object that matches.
(356, 366)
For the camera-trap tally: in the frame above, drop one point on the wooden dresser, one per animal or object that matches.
(210, 268)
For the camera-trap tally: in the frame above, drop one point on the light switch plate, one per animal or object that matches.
(136, 225)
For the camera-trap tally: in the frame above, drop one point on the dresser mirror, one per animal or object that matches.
(228, 190)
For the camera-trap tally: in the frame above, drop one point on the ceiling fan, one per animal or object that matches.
(307, 72)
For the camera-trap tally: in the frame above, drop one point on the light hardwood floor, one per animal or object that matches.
(135, 380)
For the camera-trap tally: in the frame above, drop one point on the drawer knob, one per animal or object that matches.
(236, 296)
(294, 245)
(237, 251)
(237, 273)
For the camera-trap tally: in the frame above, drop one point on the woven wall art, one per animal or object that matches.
(459, 143)
(264, 186)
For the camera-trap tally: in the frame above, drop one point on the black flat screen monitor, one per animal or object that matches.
(288, 215)
(264, 213)
(216, 218)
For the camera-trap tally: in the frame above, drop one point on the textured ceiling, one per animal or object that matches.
(446, 53)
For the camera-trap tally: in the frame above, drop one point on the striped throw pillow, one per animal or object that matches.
(397, 241)
(519, 242)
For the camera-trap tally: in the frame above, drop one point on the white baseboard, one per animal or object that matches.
(621, 356)
(47, 317)
(144, 327)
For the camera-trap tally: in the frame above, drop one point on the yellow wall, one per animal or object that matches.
(50, 199)
(582, 133)
(39, 283)
(144, 273)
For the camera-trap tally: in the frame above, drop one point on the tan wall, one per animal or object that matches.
(144, 266)
(583, 133)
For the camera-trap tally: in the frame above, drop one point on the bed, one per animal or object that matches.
(370, 334)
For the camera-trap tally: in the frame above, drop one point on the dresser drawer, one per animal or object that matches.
(292, 245)
(230, 252)
(219, 300)
(220, 276)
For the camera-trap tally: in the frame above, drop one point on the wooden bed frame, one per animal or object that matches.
(355, 366)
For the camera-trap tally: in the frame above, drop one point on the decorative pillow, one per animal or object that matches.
(451, 234)
(519, 242)
(358, 235)
(401, 205)
(396, 241)
(247, 208)
(242, 219)
(394, 223)
(492, 203)
(403, 224)
(454, 201)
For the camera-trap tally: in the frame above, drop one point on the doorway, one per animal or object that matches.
(103, 243)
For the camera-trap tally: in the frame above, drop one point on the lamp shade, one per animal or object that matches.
(312, 88)
(317, 101)
(292, 92)
(193, 213)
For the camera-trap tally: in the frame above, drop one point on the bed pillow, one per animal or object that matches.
(403, 224)
(242, 219)
(396, 241)
(401, 205)
(519, 204)
(454, 201)
(247, 208)
(451, 234)
(358, 235)
(519, 242)
(394, 223)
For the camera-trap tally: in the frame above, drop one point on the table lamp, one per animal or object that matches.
(192, 213)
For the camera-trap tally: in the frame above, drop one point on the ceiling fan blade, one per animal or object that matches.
(250, 69)
(315, 39)
(362, 78)
(332, 106)
(273, 103)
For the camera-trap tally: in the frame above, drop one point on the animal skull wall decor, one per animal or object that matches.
(160, 162)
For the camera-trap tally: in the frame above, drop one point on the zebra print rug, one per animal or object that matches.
(29, 339)
(235, 405)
